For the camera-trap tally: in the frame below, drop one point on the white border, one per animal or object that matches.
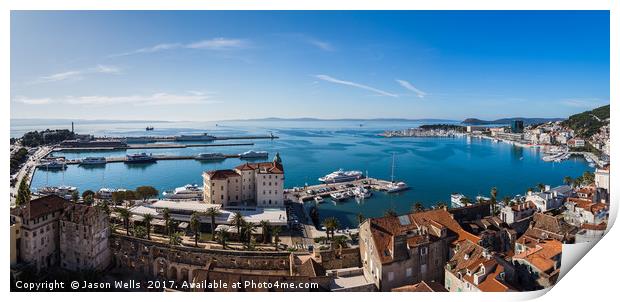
(593, 278)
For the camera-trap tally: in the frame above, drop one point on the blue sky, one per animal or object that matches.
(229, 64)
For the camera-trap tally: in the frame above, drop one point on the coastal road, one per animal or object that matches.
(28, 169)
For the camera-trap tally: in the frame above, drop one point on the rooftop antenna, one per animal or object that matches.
(72, 128)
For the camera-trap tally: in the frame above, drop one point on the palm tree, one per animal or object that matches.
(465, 201)
(340, 242)
(390, 213)
(238, 221)
(360, 218)
(264, 224)
(247, 228)
(418, 207)
(175, 238)
(578, 181)
(222, 237)
(330, 224)
(194, 222)
(275, 231)
(213, 212)
(588, 177)
(493, 199)
(125, 214)
(568, 180)
(541, 187)
(166, 216)
(147, 218)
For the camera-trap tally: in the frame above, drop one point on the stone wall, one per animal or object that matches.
(337, 259)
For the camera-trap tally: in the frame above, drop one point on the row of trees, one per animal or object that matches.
(244, 228)
(143, 192)
(18, 158)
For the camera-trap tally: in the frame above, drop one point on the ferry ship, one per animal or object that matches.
(455, 199)
(140, 158)
(195, 137)
(93, 161)
(341, 176)
(186, 192)
(254, 154)
(211, 156)
(52, 165)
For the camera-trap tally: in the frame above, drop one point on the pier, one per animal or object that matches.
(156, 157)
(148, 146)
(304, 193)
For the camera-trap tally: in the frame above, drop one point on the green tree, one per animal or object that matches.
(588, 178)
(166, 216)
(175, 238)
(75, 196)
(275, 231)
(418, 207)
(118, 197)
(212, 213)
(89, 200)
(390, 213)
(247, 228)
(541, 187)
(140, 232)
(360, 218)
(441, 205)
(264, 224)
(87, 193)
(238, 222)
(222, 238)
(124, 214)
(194, 223)
(147, 219)
(465, 201)
(340, 242)
(146, 192)
(494, 199)
(23, 192)
(105, 207)
(330, 224)
(568, 180)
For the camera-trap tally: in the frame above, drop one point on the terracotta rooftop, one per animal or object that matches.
(265, 167)
(384, 229)
(40, 207)
(430, 286)
(221, 174)
(542, 255)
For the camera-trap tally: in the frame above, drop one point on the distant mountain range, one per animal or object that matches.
(505, 121)
(313, 119)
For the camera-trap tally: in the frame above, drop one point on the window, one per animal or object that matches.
(390, 276)
(409, 272)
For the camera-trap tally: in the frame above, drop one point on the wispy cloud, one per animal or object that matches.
(32, 101)
(77, 74)
(353, 84)
(323, 45)
(220, 44)
(584, 103)
(155, 99)
(421, 94)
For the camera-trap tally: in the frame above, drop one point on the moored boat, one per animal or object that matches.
(341, 176)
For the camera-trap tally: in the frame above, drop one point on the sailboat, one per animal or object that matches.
(394, 187)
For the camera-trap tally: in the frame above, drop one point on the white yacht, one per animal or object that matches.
(93, 161)
(455, 199)
(65, 192)
(338, 196)
(254, 154)
(394, 187)
(361, 192)
(318, 199)
(186, 192)
(211, 156)
(397, 187)
(341, 176)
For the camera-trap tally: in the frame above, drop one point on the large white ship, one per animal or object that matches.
(140, 158)
(341, 176)
(455, 199)
(55, 164)
(195, 137)
(93, 161)
(211, 156)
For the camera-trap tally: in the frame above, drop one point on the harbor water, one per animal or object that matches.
(433, 167)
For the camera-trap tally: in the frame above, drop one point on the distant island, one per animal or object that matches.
(505, 121)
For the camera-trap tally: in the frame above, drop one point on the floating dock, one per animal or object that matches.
(368, 182)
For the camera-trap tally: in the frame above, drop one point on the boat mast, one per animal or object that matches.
(393, 156)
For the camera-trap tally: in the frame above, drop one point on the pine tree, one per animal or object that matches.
(23, 192)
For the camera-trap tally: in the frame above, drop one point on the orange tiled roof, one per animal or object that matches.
(542, 255)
